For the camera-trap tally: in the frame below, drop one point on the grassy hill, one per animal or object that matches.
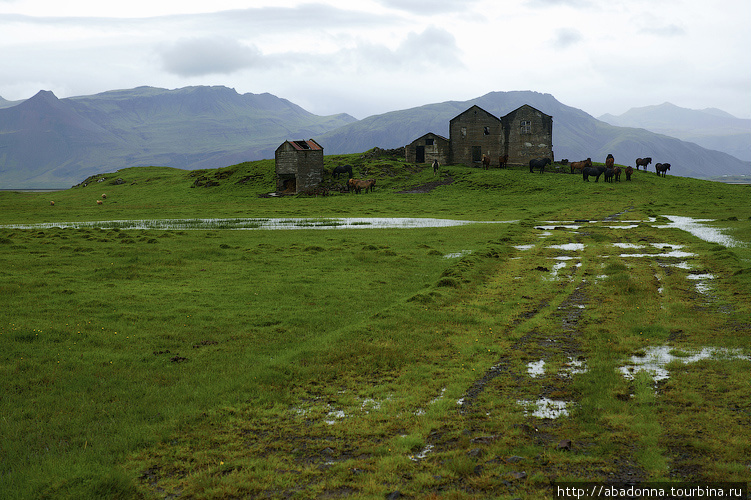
(475, 361)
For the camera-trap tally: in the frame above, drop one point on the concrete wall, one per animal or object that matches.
(428, 148)
(474, 133)
(303, 167)
(528, 134)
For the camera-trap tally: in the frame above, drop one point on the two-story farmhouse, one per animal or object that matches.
(523, 134)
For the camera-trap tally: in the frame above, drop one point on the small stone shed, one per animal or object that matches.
(299, 166)
(428, 148)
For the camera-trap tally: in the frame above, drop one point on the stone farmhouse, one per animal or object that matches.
(299, 166)
(523, 134)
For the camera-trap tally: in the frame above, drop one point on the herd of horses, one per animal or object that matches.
(610, 171)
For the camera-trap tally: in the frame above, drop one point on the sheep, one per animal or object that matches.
(104, 196)
(98, 202)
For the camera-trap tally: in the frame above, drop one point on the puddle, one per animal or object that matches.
(554, 272)
(275, 223)
(656, 358)
(457, 255)
(695, 227)
(569, 247)
(677, 254)
(524, 247)
(423, 453)
(702, 285)
(545, 408)
(536, 368)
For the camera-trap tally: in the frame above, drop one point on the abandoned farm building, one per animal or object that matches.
(523, 134)
(428, 148)
(299, 166)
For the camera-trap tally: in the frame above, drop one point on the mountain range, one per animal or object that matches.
(710, 128)
(46, 142)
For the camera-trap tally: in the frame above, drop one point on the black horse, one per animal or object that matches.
(595, 172)
(436, 166)
(662, 168)
(340, 170)
(643, 162)
(538, 163)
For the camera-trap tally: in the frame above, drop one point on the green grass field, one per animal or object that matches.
(359, 362)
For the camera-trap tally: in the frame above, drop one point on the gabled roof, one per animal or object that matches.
(475, 108)
(525, 106)
(433, 134)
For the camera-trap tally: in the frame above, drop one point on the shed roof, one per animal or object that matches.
(306, 145)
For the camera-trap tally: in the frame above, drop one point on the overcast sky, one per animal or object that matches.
(373, 56)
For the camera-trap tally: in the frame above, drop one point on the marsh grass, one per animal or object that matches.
(215, 362)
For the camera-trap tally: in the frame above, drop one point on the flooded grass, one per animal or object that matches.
(203, 360)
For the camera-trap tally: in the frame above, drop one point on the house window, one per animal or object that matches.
(486, 131)
(526, 127)
(464, 131)
(428, 142)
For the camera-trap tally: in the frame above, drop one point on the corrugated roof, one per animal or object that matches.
(306, 145)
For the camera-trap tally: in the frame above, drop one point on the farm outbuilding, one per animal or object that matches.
(474, 133)
(522, 134)
(299, 166)
(427, 148)
(527, 134)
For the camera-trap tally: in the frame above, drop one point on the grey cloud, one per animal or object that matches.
(204, 56)
(433, 46)
(668, 30)
(427, 7)
(566, 37)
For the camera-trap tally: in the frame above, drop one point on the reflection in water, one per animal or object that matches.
(699, 230)
(278, 223)
(656, 358)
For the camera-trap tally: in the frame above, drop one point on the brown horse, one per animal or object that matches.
(581, 165)
(629, 171)
(610, 161)
(485, 162)
(662, 168)
(643, 162)
(502, 161)
(359, 184)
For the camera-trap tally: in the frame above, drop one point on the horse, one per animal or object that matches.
(359, 184)
(485, 162)
(617, 171)
(629, 171)
(340, 170)
(502, 161)
(662, 168)
(581, 165)
(643, 161)
(436, 166)
(595, 172)
(609, 174)
(610, 161)
(538, 163)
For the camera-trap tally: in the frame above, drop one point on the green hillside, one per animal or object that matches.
(485, 360)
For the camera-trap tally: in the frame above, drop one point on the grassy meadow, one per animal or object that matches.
(361, 362)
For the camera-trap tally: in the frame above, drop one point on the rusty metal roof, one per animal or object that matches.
(306, 145)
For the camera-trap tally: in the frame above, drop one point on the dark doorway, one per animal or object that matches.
(476, 153)
(420, 154)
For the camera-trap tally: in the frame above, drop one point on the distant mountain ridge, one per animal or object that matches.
(46, 142)
(710, 128)
(576, 135)
(51, 142)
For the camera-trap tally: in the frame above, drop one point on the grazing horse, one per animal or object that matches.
(643, 162)
(610, 161)
(662, 168)
(485, 162)
(502, 161)
(436, 166)
(538, 163)
(595, 172)
(629, 171)
(581, 165)
(342, 169)
(359, 184)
